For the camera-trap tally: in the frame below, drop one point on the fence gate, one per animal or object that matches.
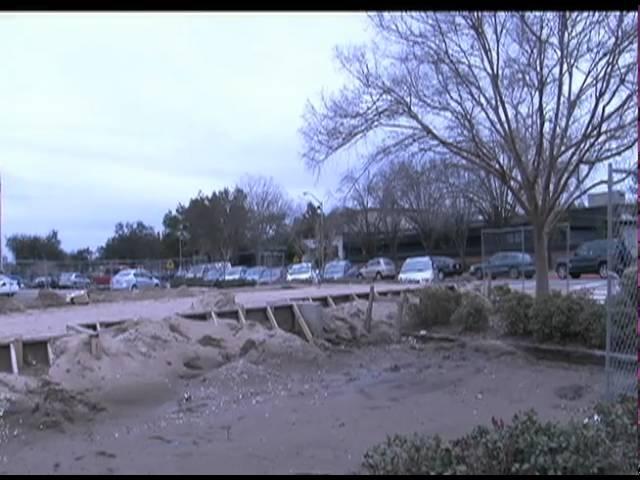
(622, 291)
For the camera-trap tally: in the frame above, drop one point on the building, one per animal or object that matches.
(577, 226)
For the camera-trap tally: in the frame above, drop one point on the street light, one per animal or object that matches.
(321, 231)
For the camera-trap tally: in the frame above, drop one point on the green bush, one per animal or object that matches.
(573, 318)
(514, 311)
(605, 444)
(473, 313)
(436, 307)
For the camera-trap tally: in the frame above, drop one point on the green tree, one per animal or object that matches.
(133, 241)
(36, 247)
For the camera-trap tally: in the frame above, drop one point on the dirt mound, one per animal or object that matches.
(42, 404)
(49, 298)
(101, 296)
(214, 301)
(345, 324)
(9, 305)
(141, 359)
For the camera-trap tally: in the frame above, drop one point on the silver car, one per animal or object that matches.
(131, 279)
(378, 268)
(73, 280)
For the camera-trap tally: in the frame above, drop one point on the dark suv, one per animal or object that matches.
(501, 264)
(591, 257)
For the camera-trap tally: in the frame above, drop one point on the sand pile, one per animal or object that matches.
(49, 298)
(101, 296)
(41, 404)
(214, 301)
(345, 324)
(144, 360)
(9, 305)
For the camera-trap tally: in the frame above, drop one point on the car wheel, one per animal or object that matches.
(514, 273)
(561, 271)
(575, 276)
(440, 275)
(378, 276)
(479, 275)
(602, 270)
(529, 276)
(134, 287)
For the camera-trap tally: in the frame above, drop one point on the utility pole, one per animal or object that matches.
(320, 209)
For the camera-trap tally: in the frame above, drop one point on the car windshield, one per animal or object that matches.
(300, 268)
(373, 263)
(124, 273)
(416, 265)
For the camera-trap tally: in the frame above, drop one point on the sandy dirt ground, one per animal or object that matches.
(128, 305)
(187, 397)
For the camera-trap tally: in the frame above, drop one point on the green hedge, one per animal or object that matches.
(604, 444)
(575, 318)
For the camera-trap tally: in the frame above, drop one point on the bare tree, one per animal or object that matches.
(423, 198)
(361, 213)
(463, 204)
(536, 100)
(269, 210)
(388, 196)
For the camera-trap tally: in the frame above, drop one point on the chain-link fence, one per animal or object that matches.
(508, 257)
(622, 292)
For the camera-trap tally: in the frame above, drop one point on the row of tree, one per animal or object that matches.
(435, 201)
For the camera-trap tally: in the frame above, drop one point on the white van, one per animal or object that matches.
(417, 270)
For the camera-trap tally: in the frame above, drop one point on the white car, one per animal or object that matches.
(302, 272)
(8, 286)
(235, 273)
(417, 270)
(131, 279)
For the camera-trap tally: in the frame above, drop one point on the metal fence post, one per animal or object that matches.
(522, 245)
(567, 254)
(609, 264)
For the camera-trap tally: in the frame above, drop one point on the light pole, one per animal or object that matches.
(181, 235)
(321, 231)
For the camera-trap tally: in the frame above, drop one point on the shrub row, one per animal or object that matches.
(467, 311)
(606, 443)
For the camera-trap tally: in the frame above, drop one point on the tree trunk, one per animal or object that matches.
(540, 243)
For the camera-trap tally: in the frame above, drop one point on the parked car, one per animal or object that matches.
(592, 257)
(417, 270)
(446, 267)
(502, 264)
(45, 282)
(134, 279)
(273, 275)
(103, 277)
(18, 279)
(214, 275)
(8, 286)
(336, 270)
(73, 280)
(235, 273)
(302, 272)
(378, 268)
(254, 273)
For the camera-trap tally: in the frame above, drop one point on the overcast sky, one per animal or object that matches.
(118, 117)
